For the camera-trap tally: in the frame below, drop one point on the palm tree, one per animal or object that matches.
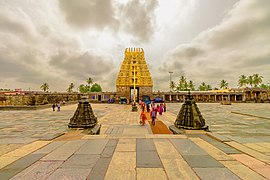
(70, 88)
(182, 83)
(257, 79)
(191, 86)
(89, 81)
(242, 81)
(250, 81)
(223, 84)
(202, 87)
(208, 87)
(44, 87)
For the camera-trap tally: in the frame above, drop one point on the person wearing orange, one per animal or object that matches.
(143, 117)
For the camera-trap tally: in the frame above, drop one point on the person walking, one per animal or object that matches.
(143, 117)
(164, 107)
(160, 109)
(53, 106)
(58, 106)
(153, 114)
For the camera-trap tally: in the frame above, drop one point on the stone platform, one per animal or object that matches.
(38, 145)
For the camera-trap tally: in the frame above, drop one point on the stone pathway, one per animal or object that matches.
(237, 148)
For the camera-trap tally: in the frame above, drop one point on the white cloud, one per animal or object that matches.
(238, 45)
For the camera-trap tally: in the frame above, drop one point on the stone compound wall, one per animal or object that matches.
(37, 99)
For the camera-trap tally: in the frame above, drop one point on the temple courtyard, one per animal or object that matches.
(38, 145)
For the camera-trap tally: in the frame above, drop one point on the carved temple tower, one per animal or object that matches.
(134, 62)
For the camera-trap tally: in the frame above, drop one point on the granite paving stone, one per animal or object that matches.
(19, 165)
(175, 166)
(99, 170)
(211, 150)
(148, 159)
(250, 152)
(176, 156)
(69, 174)
(222, 146)
(50, 147)
(241, 170)
(40, 170)
(202, 161)
(187, 147)
(122, 166)
(80, 161)
(215, 173)
(95, 146)
(151, 173)
(109, 148)
(63, 152)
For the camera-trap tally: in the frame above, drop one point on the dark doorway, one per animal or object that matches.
(132, 94)
(99, 97)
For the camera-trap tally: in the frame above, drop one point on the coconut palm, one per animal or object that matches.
(223, 84)
(202, 87)
(182, 84)
(191, 86)
(257, 79)
(44, 87)
(250, 81)
(242, 81)
(70, 88)
(208, 87)
(89, 81)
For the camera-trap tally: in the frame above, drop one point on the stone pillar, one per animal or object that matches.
(170, 97)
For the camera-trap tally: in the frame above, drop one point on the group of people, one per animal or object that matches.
(153, 112)
(58, 105)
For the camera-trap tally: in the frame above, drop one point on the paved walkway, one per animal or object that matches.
(38, 145)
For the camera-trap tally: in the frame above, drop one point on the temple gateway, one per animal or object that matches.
(134, 73)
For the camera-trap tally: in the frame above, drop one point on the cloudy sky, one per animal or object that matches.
(64, 41)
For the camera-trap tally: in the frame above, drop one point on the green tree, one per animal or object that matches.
(44, 87)
(265, 86)
(257, 80)
(182, 85)
(208, 87)
(191, 86)
(70, 88)
(223, 84)
(83, 88)
(250, 81)
(242, 81)
(202, 87)
(96, 88)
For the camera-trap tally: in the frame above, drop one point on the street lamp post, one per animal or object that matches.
(170, 72)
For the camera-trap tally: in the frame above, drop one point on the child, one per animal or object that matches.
(143, 117)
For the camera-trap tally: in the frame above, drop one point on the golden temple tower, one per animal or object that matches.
(134, 62)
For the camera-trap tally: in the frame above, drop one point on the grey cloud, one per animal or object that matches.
(135, 18)
(82, 65)
(138, 19)
(238, 45)
(97, 14)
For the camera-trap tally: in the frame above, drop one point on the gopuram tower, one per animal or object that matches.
(134, 63)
